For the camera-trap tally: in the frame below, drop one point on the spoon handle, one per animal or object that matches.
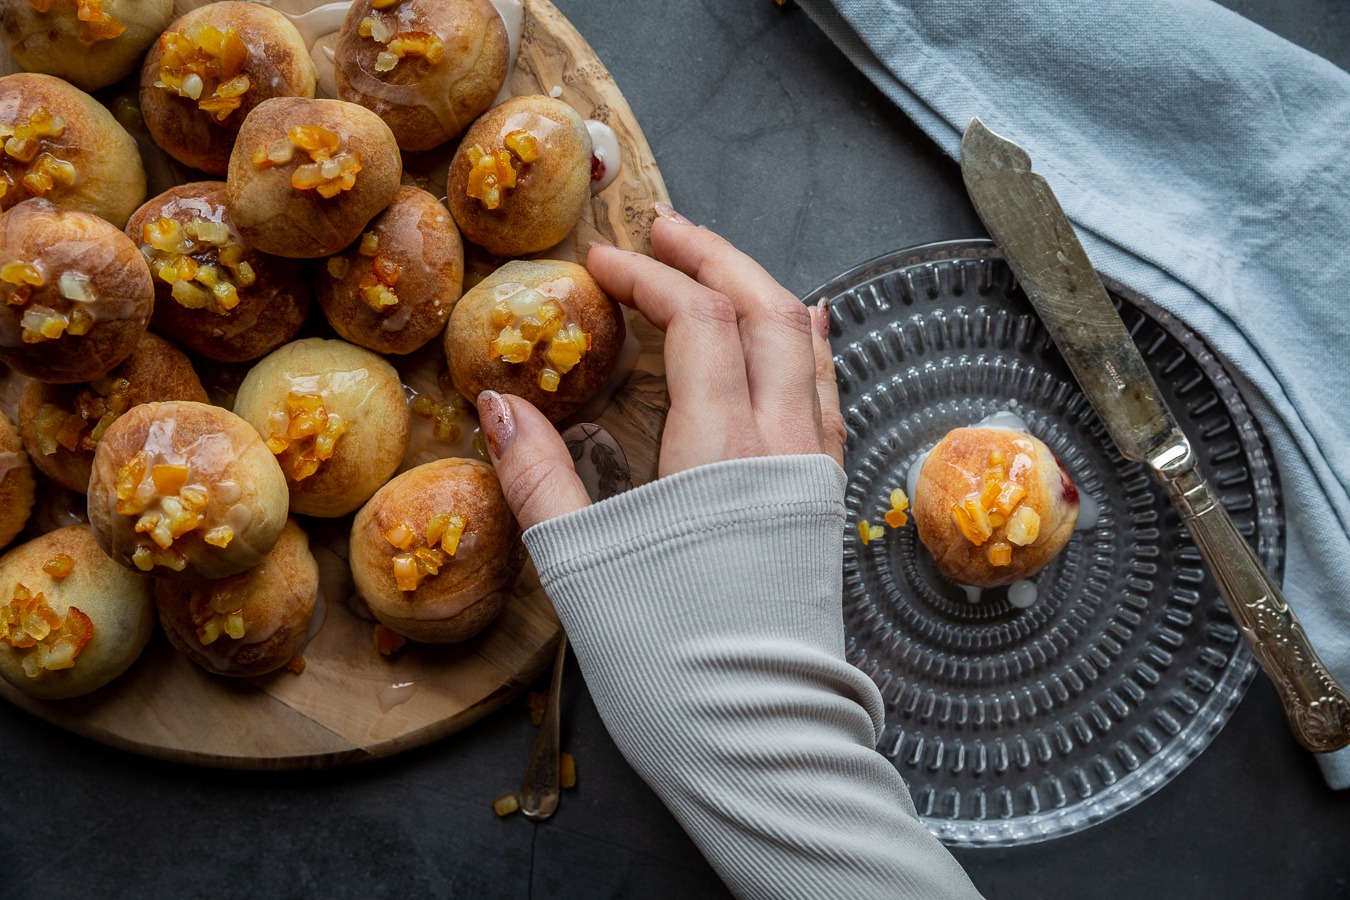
(539, 791)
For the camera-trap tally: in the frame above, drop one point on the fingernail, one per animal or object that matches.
(499, 427)
(823, 317)
(666, 211)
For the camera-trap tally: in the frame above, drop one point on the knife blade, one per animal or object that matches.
(1029, 226)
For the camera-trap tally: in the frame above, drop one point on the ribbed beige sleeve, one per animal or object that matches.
(706, 613)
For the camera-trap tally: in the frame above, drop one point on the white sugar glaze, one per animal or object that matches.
(605, 147)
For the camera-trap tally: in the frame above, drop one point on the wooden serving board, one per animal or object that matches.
(351, 704)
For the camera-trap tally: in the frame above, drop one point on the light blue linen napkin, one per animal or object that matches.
(1206, 163)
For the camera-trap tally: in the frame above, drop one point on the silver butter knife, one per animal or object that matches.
(603, 468)
(1028, 225)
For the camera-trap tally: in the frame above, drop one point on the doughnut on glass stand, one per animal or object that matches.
(1018, 725)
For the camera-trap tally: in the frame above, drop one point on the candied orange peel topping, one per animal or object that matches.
(59, 566)
(30, 166)
(494, 171)
(895, 516)
(219, 609)
(17, 280)
(27, 622)
(21, 274)
(523, 144)
(376, 288)
(42, 323)
(527, 319)
(417, 561)
(444, 417)
(23, 140)
(998, 504)
(490, 174)
(867, 532)
(80, 429)
(400, 45)
(329, 172)
(388, 641)
(97, 23)
(205, 65)
(201, 260)
(310, 429)
(167, 505)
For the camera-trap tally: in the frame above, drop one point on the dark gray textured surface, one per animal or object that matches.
(764, 133)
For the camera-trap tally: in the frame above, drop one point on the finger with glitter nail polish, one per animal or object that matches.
(532, 462)
(666, 211)
(499, 427)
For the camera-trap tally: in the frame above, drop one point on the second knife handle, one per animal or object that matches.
(1316, 705)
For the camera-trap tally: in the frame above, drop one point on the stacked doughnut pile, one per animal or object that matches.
(115, 308)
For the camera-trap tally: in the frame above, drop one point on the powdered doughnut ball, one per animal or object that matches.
(306, 176)
(210, 69)
(77, 293)
(71, 619)
(427, 67)
(251, 624)
(67, 148)
(89, 44)
(392, 291)
(521, 177)
(213, 294)
(185, 490)
(993, 505)
(335, 415)
(436, 552)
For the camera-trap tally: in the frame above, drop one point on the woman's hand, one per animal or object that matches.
(748, 368)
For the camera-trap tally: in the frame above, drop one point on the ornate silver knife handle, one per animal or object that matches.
(1316, 706)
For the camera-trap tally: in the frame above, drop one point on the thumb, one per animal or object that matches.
(532, 461)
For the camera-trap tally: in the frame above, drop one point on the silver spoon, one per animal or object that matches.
(603, 468)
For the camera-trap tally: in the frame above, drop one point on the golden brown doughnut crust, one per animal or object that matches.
(355, 384)
(426, 104)
(275, 217)
(471, 331)
(51, 42)
(416, 234)
(62, 243)
(471, 589)
(224, 455)
(156, 370)
(109, 178)
(116, 601)
(279, 597)
(278, 65)
(16, 482)
(271, 309)
(550, 193)
(955, 468)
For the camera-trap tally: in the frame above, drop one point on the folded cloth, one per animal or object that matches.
(1206, 163)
